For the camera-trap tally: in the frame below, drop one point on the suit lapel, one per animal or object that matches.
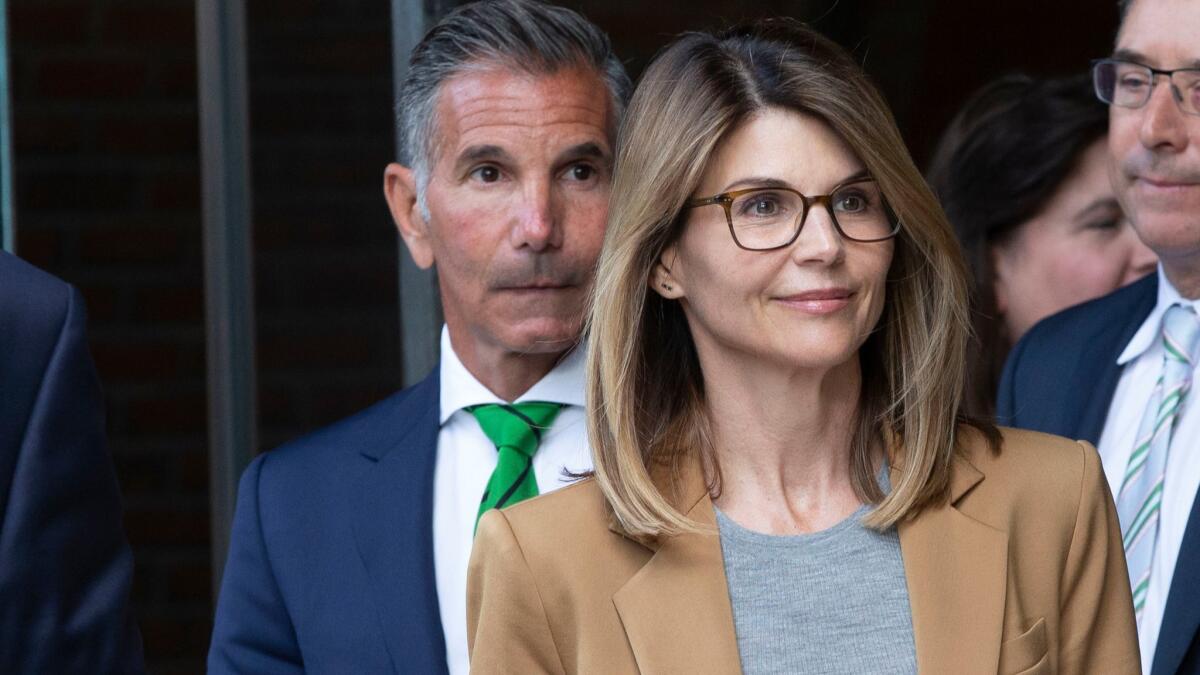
(1181, 618)
(957, 577)
(1098, 370)
(676, 610)
(393, 526)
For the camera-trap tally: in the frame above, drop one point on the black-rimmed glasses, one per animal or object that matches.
(1127, 84)
(768, 218)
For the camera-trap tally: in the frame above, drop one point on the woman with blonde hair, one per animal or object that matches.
(784, 482)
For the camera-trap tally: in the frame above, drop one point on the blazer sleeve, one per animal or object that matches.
(507, 627)
(65, 565)
(252, 631)
(1098, 631)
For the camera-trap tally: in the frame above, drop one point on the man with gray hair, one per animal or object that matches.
(350, 546)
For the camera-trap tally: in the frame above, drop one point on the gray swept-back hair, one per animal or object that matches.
(523, 35)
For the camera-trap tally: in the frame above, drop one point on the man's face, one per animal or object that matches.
(517, 200)
(1154, 151)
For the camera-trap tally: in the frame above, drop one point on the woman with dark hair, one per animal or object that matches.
(784, 478)
(1022, 176)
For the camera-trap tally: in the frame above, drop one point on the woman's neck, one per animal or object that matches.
(783, 441)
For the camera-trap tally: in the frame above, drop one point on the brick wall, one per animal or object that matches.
(326, 250)
(107, 196)
(108, 189)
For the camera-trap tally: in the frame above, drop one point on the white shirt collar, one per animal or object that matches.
(1147, 334)
(459, 388)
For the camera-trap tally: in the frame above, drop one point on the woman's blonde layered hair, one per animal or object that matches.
(646, 402)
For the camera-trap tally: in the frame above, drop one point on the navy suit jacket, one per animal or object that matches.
(65, 566)
(1060, 379)
(330, 566)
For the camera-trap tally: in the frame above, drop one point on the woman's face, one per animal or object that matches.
(1079, 247)
(809, 305)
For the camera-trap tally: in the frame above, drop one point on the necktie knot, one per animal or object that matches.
(517, 426)
(1180, 330)
(516, 430)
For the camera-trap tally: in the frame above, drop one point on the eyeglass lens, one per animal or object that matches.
(1130, 85)
(771, 218)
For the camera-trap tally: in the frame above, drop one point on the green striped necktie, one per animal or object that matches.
(516, 430)
(1140, 498)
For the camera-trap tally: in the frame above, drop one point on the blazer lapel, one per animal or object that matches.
(1181, 617)
(676, 610)
(957, 577)
(393, 526)
(1098, 371)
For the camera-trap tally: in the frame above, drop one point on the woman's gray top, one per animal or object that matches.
(830, 602)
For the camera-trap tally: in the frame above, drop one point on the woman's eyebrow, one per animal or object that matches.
(770, 182)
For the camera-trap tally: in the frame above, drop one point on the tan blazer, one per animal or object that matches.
(1022, 572)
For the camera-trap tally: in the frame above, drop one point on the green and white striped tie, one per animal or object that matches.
(1140, 498)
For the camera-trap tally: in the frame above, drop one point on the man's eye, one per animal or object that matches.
(582, 172)
(486, 174)
(1133, 82)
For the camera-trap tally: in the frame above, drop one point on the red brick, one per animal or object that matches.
(177, 79)
(168, 413)
(189, 583)
(72, 189)
(118, 244)
(193, 472)
(167, 636)
(302, 348)
(136, 361)
(91, 78)
(41, 247)
(176, 191)
(102, 300)
(42, 24)
(146, 135)
(171, 304)
(51, 134)
(155, 25)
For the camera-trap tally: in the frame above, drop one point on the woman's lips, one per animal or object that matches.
(819, 302)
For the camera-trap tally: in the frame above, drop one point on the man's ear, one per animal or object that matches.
(663, 279)
(400, 191)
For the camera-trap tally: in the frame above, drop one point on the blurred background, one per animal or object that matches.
(108, 99)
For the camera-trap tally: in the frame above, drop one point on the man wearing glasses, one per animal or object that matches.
(1118, 371)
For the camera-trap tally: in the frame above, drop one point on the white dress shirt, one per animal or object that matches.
(1141, 364)
(465, 461)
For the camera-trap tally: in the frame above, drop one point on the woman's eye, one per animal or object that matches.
(486, 174)
(1105, 224)
(850, 203)
(764, 206)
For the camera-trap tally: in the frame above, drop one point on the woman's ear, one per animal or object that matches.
(663, 278)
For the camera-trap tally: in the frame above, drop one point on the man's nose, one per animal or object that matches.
(1163, 126)
(537, 224)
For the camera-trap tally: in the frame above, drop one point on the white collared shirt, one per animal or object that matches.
(465, 461)
(1141, 364)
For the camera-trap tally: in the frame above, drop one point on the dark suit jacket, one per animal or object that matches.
(330, 567)
(1060, 379)
(65, 566)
